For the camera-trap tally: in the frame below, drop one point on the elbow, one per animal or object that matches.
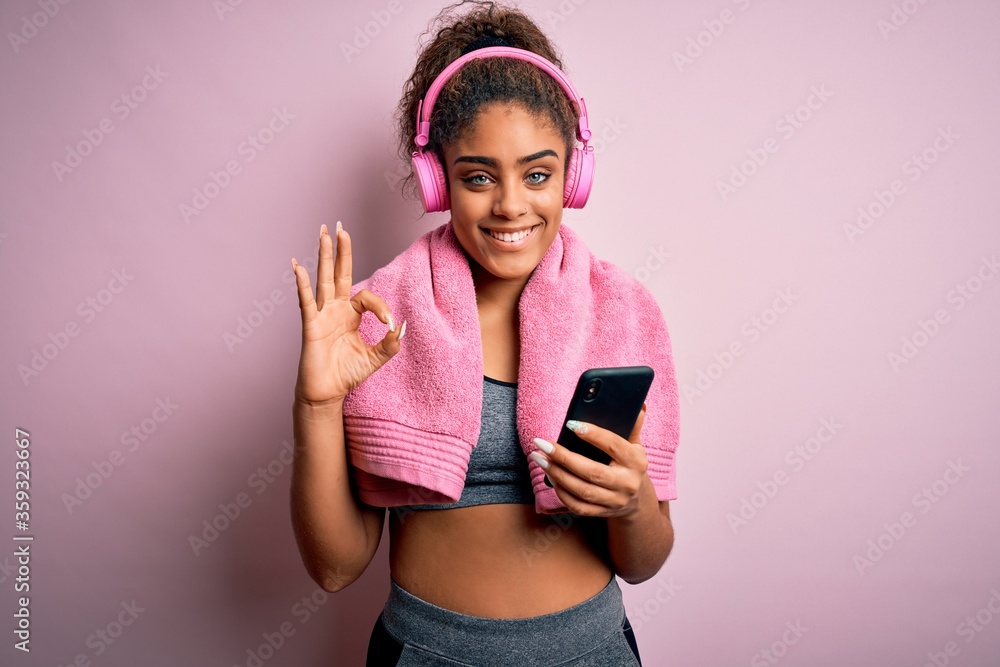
(333, 585)
(332, 576)
(635, 578)
(638, 575)
(333, 582)
(333, 567)
(670, 547)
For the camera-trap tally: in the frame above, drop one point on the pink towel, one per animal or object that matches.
(411, 426)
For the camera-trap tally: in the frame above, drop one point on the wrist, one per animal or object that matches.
(319, 409)
(645, 503)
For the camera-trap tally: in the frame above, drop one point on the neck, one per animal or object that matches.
(498, 293)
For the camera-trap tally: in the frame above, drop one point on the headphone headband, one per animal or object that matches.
(424, 117)
(430, 174)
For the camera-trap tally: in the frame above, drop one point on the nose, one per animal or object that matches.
(510, 201)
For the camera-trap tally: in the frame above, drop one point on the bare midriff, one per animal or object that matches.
(497, 561)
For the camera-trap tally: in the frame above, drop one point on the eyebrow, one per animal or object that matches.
(479, 159)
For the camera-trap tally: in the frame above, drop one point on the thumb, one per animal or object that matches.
(634, 436)
(386, 348)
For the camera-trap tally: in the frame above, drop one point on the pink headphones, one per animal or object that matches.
(431, 178)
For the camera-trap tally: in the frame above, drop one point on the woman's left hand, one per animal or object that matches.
(589, 488)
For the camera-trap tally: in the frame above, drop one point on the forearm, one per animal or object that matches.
(328, 523)
(638, 544)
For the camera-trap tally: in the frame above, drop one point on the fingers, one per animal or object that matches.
(386, 348)
(342, 269)
(636, 430)
(389, 346)
(333, 276)
(324, 271)
(577, 505)
(583, 498)
(607, 441)
(367, 300)
(577, 464)
(583, 494)
(590, 488)
(306, 302)
(626, 457)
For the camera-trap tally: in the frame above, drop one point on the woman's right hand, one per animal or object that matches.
(335, 359)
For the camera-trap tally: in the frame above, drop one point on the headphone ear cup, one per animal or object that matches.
(431, 181)
(572, 173)
(579, 178)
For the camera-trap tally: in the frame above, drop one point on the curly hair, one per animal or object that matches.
(480, 82)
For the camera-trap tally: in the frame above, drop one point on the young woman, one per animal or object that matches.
(486, 579)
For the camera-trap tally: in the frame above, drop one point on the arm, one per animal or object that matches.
(640, 543)
(337, 535)
(640, 535)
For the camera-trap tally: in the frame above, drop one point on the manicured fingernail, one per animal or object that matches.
(402, 330)
(544, 445)
(392, 322)
(575, 426)
(339, 226)
(540, 460)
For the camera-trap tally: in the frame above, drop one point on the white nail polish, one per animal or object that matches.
(402, 330)
(392, 322)
(540, 460)
(544, 445)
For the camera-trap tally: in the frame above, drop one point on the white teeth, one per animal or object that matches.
(510, 238)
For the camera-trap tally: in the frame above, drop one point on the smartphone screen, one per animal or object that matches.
(610, 398)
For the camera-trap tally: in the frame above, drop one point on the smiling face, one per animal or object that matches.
(506, 174)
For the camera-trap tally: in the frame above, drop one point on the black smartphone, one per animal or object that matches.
(611, 398)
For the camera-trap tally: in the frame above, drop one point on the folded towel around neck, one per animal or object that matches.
(410, 427)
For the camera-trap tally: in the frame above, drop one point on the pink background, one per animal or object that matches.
(671, 131)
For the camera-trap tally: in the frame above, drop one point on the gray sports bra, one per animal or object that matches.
(498, 468)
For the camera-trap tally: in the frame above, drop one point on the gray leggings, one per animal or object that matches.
(413, 633)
